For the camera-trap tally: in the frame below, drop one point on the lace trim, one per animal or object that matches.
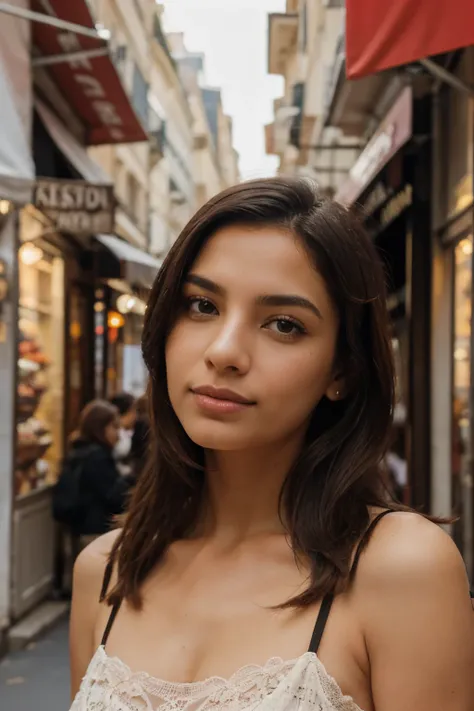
(110, 685)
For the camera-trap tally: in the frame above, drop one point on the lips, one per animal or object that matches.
(222, 394)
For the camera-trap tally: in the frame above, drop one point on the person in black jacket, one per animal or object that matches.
(103, 490)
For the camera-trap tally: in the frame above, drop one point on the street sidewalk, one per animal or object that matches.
(37, 677)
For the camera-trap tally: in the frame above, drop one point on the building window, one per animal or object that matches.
(140, 95)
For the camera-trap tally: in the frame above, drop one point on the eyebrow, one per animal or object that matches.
(266, 300)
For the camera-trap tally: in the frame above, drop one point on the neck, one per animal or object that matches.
(243, 490)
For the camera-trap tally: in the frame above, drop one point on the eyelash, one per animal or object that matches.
(300, 329)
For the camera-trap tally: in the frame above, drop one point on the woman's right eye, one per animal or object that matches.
(200, 306)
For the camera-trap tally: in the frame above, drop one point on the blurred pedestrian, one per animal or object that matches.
(90, 490)
(126, 406)
(261, 564)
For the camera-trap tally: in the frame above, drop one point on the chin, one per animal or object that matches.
(220, 436)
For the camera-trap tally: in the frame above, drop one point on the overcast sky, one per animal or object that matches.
(233, 36)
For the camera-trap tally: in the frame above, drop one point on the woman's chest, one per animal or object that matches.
(200, 621)
(301, 684)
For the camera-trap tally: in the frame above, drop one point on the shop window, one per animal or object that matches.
(40, 391)
(125, 367)
(461, 449)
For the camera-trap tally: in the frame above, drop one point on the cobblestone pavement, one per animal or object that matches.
(37, 679)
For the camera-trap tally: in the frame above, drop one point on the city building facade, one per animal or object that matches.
(302, 46)
(215, 161)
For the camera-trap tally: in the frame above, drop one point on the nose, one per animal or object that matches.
(229, 351)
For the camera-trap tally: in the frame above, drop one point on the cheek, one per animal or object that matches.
(181, 352)
(302, 378)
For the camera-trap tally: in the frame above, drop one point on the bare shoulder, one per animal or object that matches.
(90, 564)
(89, 572)
(412, 600)
(407, 549)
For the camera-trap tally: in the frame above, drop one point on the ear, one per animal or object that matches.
(337, 388)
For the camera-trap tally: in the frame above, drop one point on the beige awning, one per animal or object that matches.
(137, 266)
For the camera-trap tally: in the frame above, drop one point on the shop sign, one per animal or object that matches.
(76, 206)
(394, 131)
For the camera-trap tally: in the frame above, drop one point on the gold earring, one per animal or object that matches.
(337, 394)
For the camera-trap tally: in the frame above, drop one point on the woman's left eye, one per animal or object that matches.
(286, 327)
(200, 306)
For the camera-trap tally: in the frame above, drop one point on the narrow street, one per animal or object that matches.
(37, 677)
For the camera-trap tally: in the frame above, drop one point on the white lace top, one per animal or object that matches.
(301, 684)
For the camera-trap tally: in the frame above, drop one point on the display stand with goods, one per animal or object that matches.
(33, 437)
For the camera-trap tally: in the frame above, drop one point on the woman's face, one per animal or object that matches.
(253, 349)
(111, 433)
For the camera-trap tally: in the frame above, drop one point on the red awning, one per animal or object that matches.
(381, 34)
(91, 85)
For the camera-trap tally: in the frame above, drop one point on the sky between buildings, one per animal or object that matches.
(233, 36)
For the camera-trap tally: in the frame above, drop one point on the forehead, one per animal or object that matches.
(261, 259)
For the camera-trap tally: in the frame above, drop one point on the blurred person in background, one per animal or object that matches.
(90, 490)
(261, 564)
(140, 438)
(126, 406)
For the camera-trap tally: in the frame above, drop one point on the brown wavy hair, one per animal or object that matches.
(326, 497)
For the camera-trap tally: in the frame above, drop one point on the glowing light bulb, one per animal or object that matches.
(30, 254)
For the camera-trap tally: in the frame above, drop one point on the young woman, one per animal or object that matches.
(243, 576)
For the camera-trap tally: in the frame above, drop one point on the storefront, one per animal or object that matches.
(53, 201)
(388, 186)
(54, 362)
(16, 186)
(440, 54)
(453, 353)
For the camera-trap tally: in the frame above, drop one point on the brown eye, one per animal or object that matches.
(200, 306)
(286, 327)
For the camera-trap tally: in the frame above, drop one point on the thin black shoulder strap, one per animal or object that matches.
(110, 622)
(103, 592)
(323, 615)
(329, 599)
(364, 541)
(106, 579)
